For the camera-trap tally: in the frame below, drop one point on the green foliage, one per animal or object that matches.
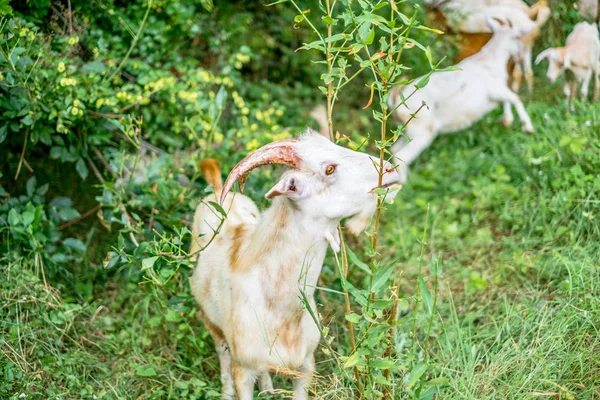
(485, 261)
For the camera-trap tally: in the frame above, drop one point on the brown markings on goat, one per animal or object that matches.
(237, 239)
(291, 331)
(212, 328)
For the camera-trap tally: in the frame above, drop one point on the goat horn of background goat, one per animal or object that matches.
(281, 152)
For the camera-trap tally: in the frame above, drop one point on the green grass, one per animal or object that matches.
(513, 218)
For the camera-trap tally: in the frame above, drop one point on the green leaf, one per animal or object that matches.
(382, 364)
(415, 374)
(422, 83)
(354, 318)
(426, 295)
(437, 382)
(94, 67)
(75, 244)
(218, 207)
(28, 120)
(68, 213)
(3, 133)
(357, 262)
(30, 185)
(221, 97)
(145, 371)
(299, 18)
(148, 263)
(382, 276)
(353, 360)
(81, 168)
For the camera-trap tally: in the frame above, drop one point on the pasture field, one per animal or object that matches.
(499, 228)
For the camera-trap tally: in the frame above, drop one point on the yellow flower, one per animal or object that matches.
(252, 145)
(253, 127)
(23, 32)
(68, 82)
(73, 40)
(259, 115)
(245, 111)
(122, 96)
(75, 111)
(99, 103)
(61, 67)
(76, 103)
(219, 137)
(279, 113)
(60, 128)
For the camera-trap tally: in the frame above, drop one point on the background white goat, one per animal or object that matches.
(249, 279)
(455, 100)
(469, 17)
(580, 56)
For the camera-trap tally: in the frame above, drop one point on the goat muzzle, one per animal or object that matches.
(281, 152)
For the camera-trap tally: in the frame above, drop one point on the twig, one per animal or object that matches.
(134, 42)
(82, 216)
(98, 154)
(22, 154)
(95, 169)
(27, 166)
(70, 17)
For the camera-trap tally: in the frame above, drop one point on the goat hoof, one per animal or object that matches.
(507, 122)
(528, 129)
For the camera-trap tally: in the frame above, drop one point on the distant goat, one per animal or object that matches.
(580, 56)
(469, 18)
(250, 278)
(455, 100)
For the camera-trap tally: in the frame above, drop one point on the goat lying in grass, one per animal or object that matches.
(457, 99)
(249, 279)
(580, 56)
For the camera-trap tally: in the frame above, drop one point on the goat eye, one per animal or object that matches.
(330, 169)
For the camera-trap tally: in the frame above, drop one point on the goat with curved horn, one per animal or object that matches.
(247, 282)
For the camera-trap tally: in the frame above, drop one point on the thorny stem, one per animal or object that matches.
(330, 99)
(418, 291)
(134, 42)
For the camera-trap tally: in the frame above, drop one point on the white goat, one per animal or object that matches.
(581, 56)
(455, 100)
(469, 17)
(249, 278)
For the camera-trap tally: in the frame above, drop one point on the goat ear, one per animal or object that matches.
(289, 186)
(494, 23)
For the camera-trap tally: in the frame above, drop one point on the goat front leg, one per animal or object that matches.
(227, 390)
(243, 380)
(585, 85)
(303, 380)
(506, 95)
(265, 384)
(507, 117)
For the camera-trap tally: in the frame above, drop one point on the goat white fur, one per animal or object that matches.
(581, 56)
(457, 99)
(470, 16)
(249, 279)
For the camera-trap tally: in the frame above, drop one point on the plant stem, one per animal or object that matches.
(134, 42)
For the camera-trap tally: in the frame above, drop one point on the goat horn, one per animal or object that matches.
(281, 152)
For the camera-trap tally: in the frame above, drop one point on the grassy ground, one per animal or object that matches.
(512, 217)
